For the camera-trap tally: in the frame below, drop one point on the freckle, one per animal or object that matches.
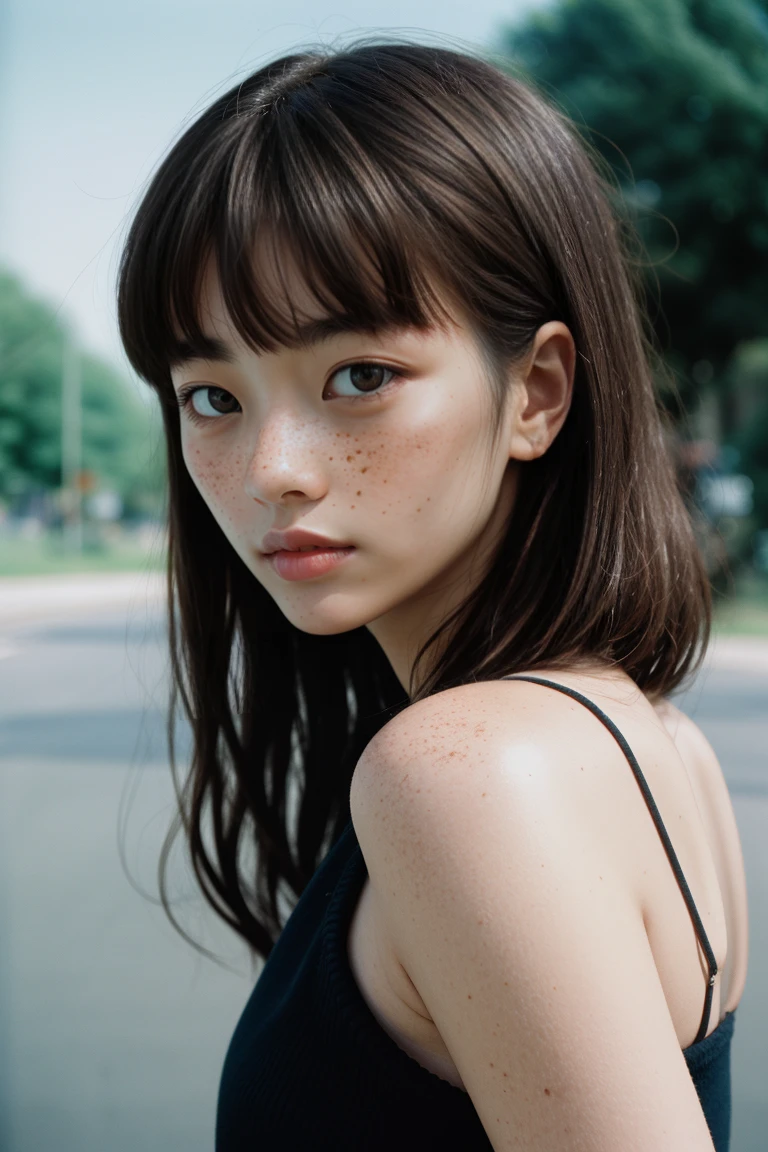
(330, 457)
(418, 509)
(349, 458)
(363, 470)
(357, 493)
(485, 793)
(358, 452)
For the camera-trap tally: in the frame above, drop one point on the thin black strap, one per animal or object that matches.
(699, 927)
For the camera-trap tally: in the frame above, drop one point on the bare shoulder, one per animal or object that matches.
(504, 742)
(494, 889)
(480, 722)
(693, 746)
(507, 744)
(460, 753)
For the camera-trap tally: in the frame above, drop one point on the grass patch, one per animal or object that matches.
(52, 555)
(745, 611)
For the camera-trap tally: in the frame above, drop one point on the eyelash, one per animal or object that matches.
(185, 394)
(184, 397)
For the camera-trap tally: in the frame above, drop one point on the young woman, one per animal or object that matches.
(431, 583)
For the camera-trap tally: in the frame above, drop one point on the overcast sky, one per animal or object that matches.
(93, 91)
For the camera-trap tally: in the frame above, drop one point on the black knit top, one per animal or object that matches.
(309, 1066)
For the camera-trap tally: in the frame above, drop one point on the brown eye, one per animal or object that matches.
(210, 401)
(367, 377)
(362, 378)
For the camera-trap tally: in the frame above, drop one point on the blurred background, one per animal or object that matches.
(112, 1029)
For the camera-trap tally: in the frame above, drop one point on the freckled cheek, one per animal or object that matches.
(218, 481)
(393, 472)
(408, 462)
(354, 464)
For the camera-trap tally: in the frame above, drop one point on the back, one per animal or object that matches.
(313, 1027)
(607, 803)
(708, 1057)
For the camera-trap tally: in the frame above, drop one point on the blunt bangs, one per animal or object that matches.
(290, 186)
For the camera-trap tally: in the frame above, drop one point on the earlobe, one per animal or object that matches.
(525, 446)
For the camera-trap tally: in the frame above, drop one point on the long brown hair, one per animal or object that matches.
(450, 176)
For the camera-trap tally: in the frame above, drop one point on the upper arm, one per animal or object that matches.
(527, 949)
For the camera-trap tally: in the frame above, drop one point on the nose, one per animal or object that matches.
(284, 462)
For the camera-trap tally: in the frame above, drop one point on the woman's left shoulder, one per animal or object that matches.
(507, 761)
(474, 734)
(502, 898)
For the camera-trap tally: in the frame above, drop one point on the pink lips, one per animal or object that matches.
(282, 551)
(294, 538)
(307, 565)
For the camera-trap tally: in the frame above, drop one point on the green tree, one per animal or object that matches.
(750, 365)
(674, 95)
(116, 426)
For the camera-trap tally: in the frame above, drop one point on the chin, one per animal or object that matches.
(327, 620)
(322, 627)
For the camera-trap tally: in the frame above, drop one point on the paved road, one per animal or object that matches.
(112, 1029)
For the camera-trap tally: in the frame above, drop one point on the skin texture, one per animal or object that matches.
(511, 862)
(409, 474)
(513, 869)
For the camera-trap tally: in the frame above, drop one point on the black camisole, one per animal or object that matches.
(310, 1068)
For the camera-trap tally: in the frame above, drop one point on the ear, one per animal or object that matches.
(543, 386)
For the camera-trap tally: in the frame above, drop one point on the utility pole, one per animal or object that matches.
(72, 442)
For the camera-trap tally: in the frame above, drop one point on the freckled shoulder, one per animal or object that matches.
(432, 738)
(487, 725)
(498, 888)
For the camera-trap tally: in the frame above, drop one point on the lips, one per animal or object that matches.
(309, 565)
(295, 539)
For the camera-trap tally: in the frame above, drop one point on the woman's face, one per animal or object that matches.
(381, 443)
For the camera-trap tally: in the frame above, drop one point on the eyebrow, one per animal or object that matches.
(307, 335)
